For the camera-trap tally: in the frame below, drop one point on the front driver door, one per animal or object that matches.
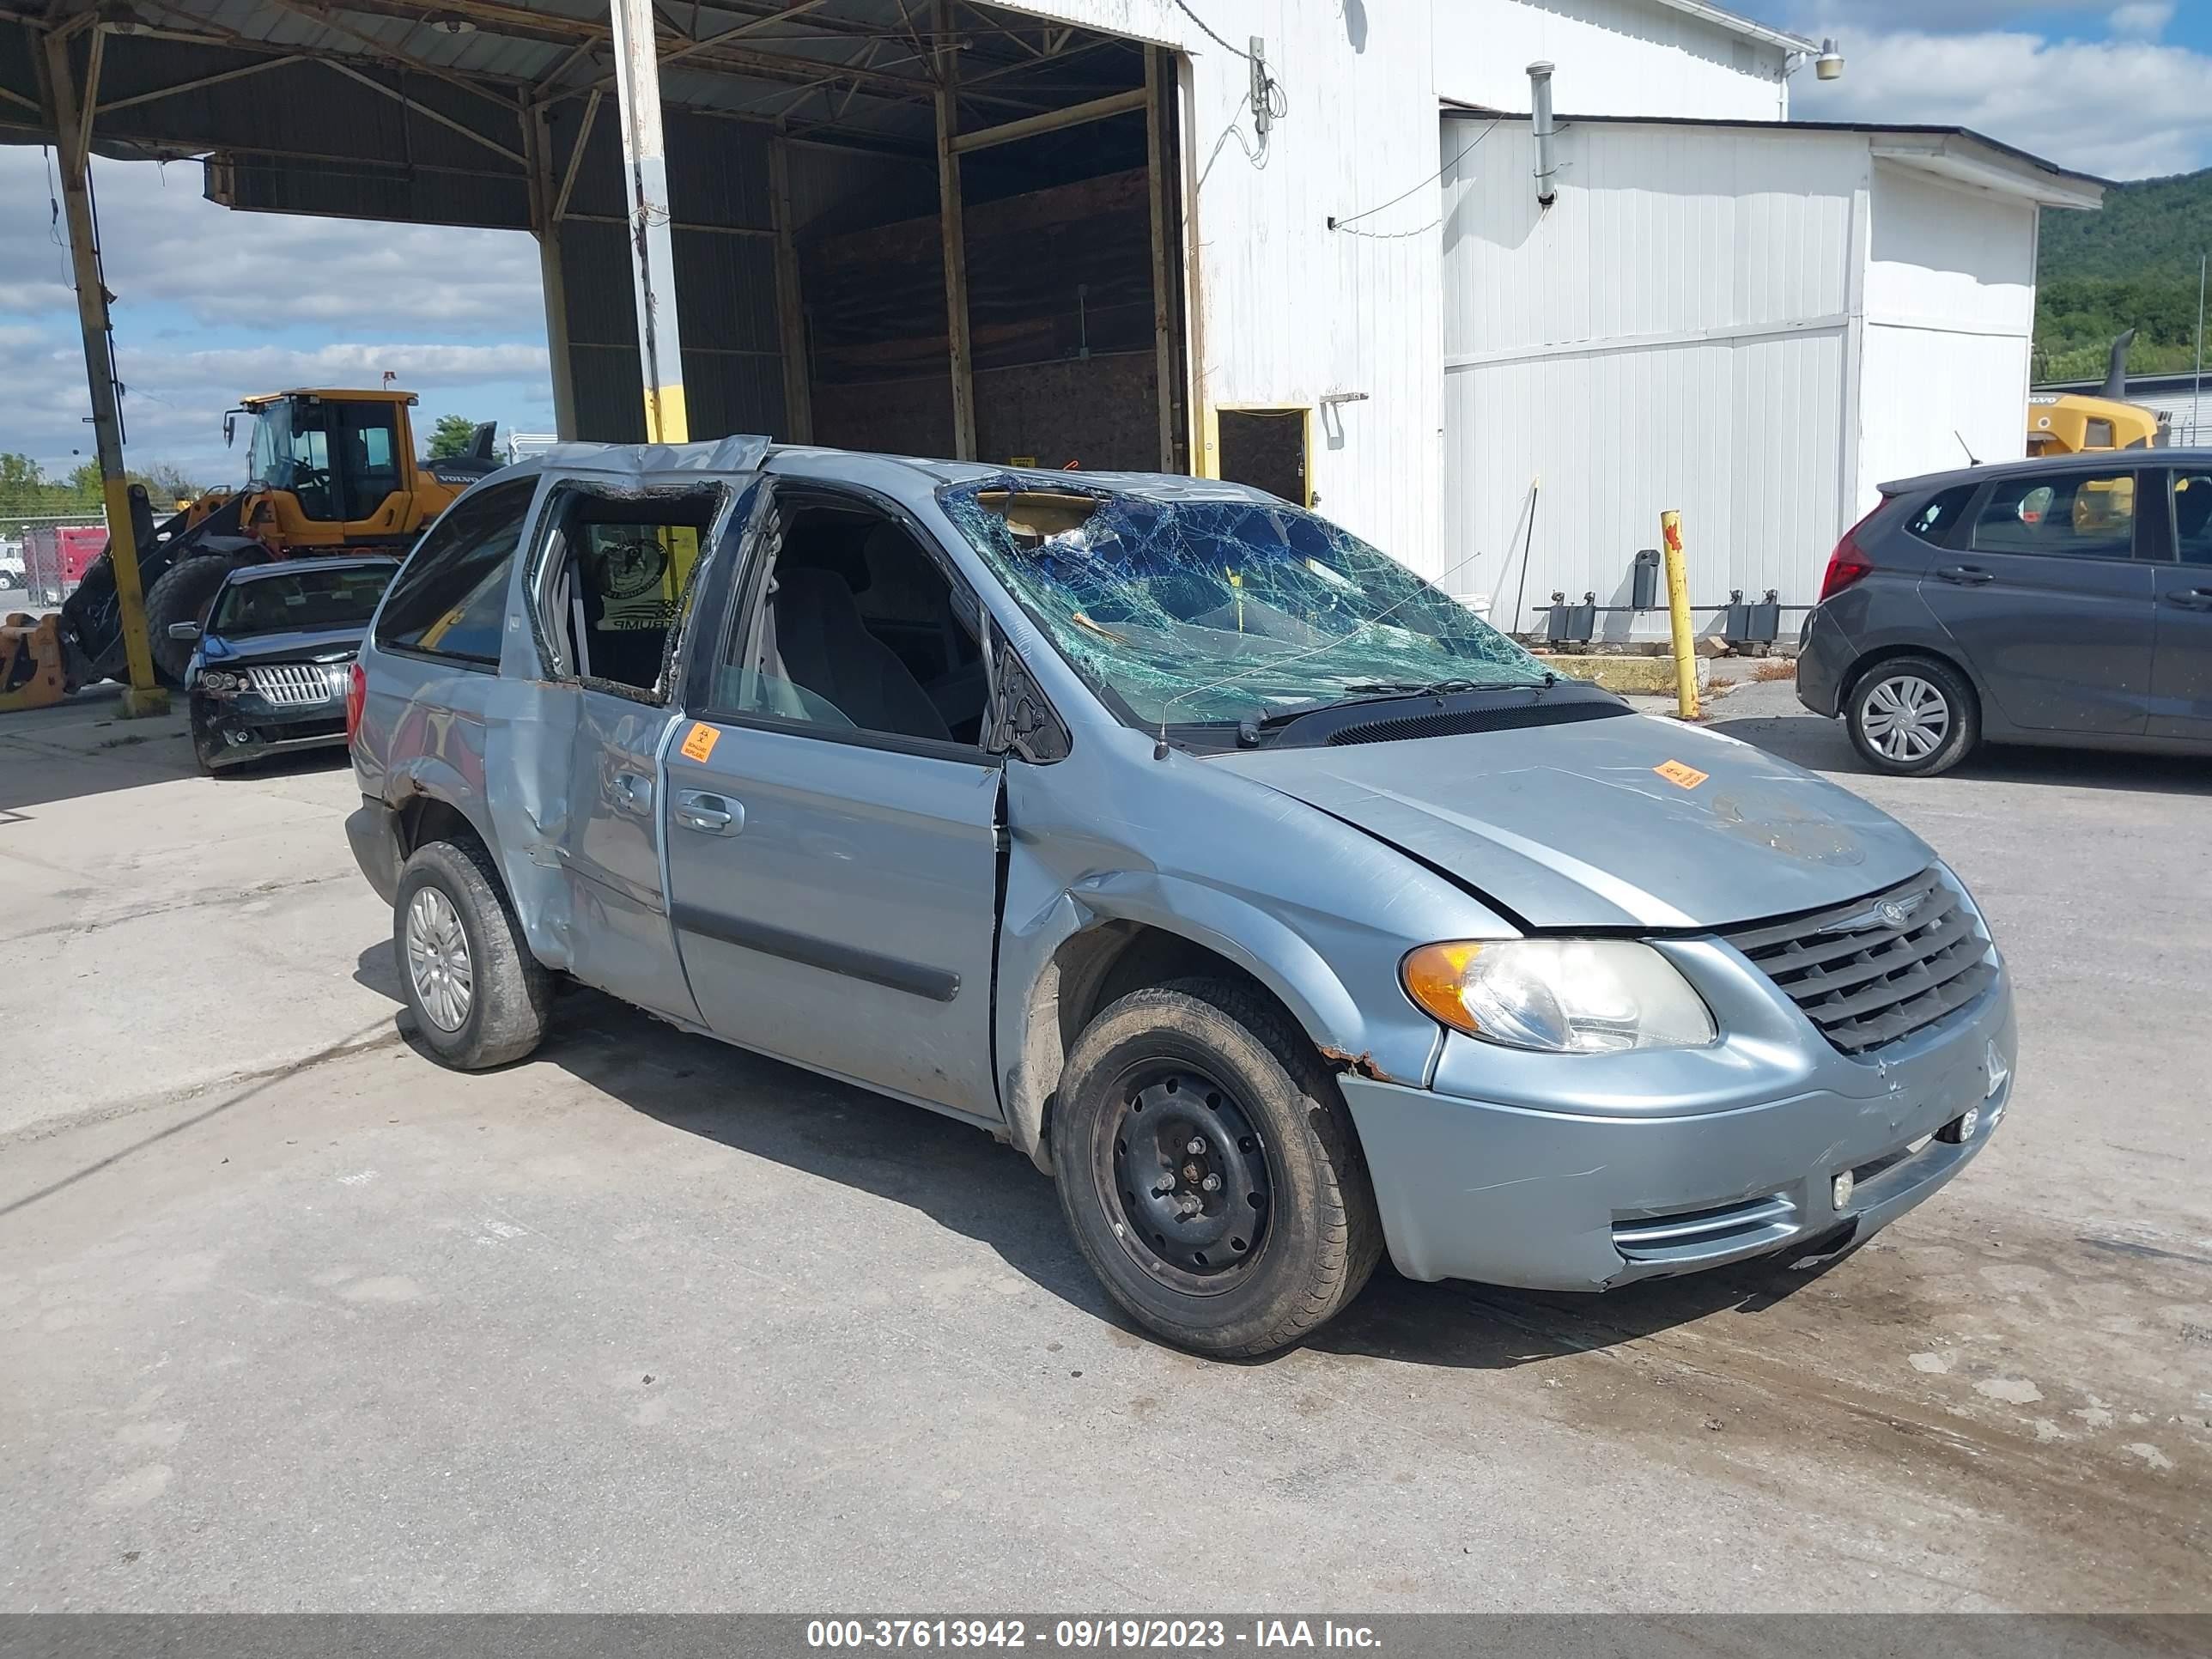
(2047, 601)
(834, 887)
(2181, 672)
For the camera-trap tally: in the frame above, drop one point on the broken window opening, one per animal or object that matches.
(615, 583)
(1196, 610)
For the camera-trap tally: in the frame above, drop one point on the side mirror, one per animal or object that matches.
(186, 631)
(230, 429)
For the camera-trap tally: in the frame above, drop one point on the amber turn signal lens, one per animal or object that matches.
(1434, 975)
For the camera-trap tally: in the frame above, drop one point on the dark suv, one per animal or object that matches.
(2060, 600)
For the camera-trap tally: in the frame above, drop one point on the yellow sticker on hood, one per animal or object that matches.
(1687, 776)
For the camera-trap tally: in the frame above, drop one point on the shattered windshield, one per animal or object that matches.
(1196, 611)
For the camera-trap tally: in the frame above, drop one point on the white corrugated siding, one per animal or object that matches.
(1291, 312)
(1673, 332)
(1950, 313)
(1613, 57)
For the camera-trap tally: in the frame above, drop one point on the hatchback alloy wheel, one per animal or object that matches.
(1906, 717)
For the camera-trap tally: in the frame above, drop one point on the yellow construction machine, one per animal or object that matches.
(2068, 423)
(327, 471)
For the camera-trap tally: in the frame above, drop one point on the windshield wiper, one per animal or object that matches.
(1367, 691)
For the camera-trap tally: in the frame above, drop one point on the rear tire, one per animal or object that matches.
(1913, 717)
(183, 593)
(1287, 1232)
(478, 997)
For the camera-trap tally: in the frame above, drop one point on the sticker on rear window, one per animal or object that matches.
(699, 741)
(1673, 771)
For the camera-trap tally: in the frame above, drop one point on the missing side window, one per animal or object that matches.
(616, 581)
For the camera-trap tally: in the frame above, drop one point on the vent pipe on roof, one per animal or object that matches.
(1540, 102)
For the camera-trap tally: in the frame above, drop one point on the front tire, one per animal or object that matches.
(1913, 717)
(1209, 1171)
(478, 997)
(183, 593)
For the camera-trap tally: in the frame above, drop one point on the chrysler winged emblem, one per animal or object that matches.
(1896, 912)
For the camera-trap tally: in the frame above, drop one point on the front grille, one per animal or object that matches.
(297, 685)
(1879, 969)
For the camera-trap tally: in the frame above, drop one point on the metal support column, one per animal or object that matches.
(790, 303)
(652, 260)
(960, 353)
(545, 207)
(1157, 157)
(70, 113)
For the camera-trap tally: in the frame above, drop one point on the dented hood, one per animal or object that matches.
(1579, 826)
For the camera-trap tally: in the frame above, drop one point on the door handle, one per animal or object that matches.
(2192, 598)
(1966, 575)
(710, 815)
(634, 791)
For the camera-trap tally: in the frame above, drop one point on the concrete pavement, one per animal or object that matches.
(291, 1319)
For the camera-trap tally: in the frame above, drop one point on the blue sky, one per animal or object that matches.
(212, 304)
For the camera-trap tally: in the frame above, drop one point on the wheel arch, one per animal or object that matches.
(430, 799)
(1868, 661)
(1119, 936)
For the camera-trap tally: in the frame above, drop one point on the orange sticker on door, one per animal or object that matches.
(699, 741)
(1675, 772)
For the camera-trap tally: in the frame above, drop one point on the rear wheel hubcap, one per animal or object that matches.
(438, 959)
(1906, 717)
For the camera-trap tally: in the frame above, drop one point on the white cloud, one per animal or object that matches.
(2144, 20)
(164, 240)
(2123, 109)
(211, 304)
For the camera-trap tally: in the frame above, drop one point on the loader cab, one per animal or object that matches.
(326, 468)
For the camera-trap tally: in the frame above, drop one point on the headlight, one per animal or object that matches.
(217, 681)
(1570, 996)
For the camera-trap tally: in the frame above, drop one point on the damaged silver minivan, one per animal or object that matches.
(1277, 907)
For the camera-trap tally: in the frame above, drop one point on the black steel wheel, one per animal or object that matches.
(1186, 1165)
(1209, 1171)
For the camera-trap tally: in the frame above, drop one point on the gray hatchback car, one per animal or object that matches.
(2063, 600)
(1277, 906)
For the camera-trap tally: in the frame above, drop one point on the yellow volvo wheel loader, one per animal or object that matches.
(327, 471)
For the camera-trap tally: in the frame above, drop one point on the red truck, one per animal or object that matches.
(55, 557)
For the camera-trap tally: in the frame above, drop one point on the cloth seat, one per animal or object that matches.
(822, 646)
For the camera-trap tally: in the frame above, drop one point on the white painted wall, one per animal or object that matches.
(1950, 321)
(1753, 325)
(1672, 333)
(1291, 312)
(1613, 58)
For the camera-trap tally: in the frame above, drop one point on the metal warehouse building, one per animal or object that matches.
(1212, 235)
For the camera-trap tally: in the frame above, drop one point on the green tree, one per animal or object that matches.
(450, 436)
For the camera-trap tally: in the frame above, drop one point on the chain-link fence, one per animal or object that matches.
(44, 555)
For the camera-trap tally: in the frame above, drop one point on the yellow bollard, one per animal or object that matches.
(1678, 610)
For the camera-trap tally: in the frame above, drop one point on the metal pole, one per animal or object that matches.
(70, 117)
(545, 221)
(954, 231)
(1155, 174)
(1678, 608)
(2197, 396)
(653, 259)
(790, 302)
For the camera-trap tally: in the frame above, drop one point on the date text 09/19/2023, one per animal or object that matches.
(1127, 1634)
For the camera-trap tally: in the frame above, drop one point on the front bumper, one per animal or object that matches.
(228, 731)
(1568, 1201)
